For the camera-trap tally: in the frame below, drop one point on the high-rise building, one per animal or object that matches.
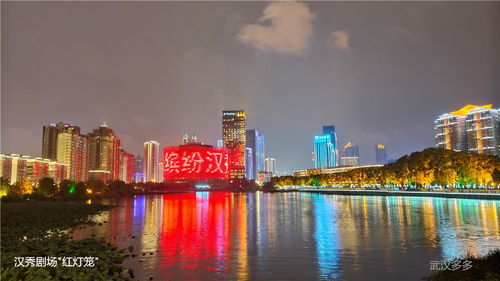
(220, 143)
(49, 138)
(472, 128)
(151, 161)
(330, 130)
(270, 166)
(450, 130)
(233, 135)
(160, 171)
(482, 126)
(16, 167)
(127, 168)
(185, 139)
(139, 169)
(350, 155)
(104, 154)
(249, 172)
(380, 154)
(324, 152)
(255, 141)
(72, 148)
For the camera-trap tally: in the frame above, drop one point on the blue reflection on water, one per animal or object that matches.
(139, 206)
(326, 236)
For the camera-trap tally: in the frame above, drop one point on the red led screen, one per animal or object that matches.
(195, 162)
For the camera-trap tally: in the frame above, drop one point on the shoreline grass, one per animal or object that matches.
(37, 229)
(485, 268)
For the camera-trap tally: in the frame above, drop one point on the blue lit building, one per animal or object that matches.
(220, 143)
(324, 151)
(380, 154)
(330, 130)
(255, 141)
(249, 163)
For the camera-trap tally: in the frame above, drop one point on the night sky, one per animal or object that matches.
(378, 71)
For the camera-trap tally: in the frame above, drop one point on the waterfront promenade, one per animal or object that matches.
(464, 195)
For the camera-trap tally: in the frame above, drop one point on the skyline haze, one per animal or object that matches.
(159, 70)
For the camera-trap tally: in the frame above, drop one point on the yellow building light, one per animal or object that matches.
(466, 109)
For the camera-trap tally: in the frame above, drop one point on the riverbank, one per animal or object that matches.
(36, 246)
(469, 268)
(482, 196)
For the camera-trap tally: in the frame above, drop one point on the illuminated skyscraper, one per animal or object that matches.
(151, 161)
(472, 128)
(330, 130)
(127, 168)
(270, 166)
(249, 173)
(16, 167)
(72, 150)
(139, 169)
(104, 154)
(220, 143)
(160, 171)
(323, 151)
(482, 126)
(255, 141)
(49, 138)
(380, 154)
(233, 135)
(450, 130)
(350, 155)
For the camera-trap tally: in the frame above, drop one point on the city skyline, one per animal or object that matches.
(398, 74)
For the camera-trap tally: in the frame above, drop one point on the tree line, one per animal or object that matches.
(46, 187)
(430, 167)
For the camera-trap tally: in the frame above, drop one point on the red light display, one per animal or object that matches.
(195, 162)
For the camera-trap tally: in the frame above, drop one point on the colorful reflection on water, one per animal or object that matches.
(294, 236)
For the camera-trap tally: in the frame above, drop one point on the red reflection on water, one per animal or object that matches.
(195, 231)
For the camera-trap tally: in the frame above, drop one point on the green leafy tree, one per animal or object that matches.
(97, 186)
(268, 186)
(4, 187)
(446, 176)
(47, 187)
(496, 176)
(67, 188)
(81, 189)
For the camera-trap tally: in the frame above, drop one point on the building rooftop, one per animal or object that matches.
(466, 109)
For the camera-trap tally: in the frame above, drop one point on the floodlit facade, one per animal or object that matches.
(49, 138)
(16, 167)
(450, 131)
(139, 169)
(249, 172)
(255, 141)
(104, 154)
(151, 161)
(72, 148)
(324, 152)
(127, 168)
(233, 135)
(473, 128)
(350, 155)
(482, 126)
(380, 154)
(196, 165)
(330, 130)
(270, 166)
(332, 170)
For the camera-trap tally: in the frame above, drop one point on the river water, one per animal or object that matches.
(294, 236)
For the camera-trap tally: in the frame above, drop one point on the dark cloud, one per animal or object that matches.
(157, 70)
